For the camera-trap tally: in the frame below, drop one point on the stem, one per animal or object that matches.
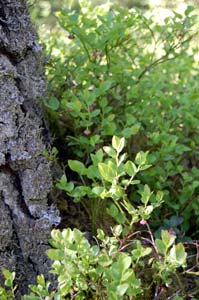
(84, 46)
(163, 58)
(152, 238)
(122, 242)
(132, 177)
(180, 282)
(107, 58)
(118, 206)
(85, 205)
(82, 179)
(93, 216)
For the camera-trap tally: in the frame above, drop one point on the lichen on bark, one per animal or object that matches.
(27, 215)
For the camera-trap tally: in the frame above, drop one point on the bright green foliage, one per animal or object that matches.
(112, 174)
(105, 62)
(119, 72)
(104, 270)
(98, 271)
(9, 292)
(108, 178)
(174, 255)
(114, 266)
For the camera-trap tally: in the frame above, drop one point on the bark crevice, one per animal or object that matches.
(27, 216)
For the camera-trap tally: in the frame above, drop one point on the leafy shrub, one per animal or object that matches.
(104, 62)
(110, 175)
(123, 265)
(103, 271)
(109, 178)
(119, 72)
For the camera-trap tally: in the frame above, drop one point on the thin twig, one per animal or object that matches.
(152, 238)
(164, 58)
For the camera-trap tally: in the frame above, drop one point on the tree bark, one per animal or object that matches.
(27, 213)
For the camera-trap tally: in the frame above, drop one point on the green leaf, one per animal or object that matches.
(129, 131)
(92, 172)
(69, 186)
(9, 277)
(141, 157)
(97, 157)
(129, 207)
(63, 180)
(140, 251)
(98, 190)
(100, 234)
(178, 298)
(104, 260)
(95, 139)
(121, 289)
(146, 194)
(64, 289)
(160, 246)
(134, 182)
(178, 255)
(117, 192)
(77, 166)
(95, 113)
(6, 273)
(41, 280)
(122, 158)
(124, 261)
(130, 168)
(110, 151)
(62, 184)
(167, 238)
(189, 10)
(103, 103)
(159, 196)
(126, 132)
(118, 143)
(105, 85)
(29, 297)
(53, 103)
(56, 235)
(106, 171)
(109, 128)
(116, 214)
(148, 210)
(66, 234)
(145, 167)
(179, 16)
(146, 251)
(117, 230)
(55, 254)
(80, 191)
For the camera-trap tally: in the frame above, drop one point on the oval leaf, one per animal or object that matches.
(106, 172)
(77, 166)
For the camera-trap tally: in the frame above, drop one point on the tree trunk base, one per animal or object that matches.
(27, 214)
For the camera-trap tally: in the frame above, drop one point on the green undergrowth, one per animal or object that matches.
(115, 71)
(123, 107)
(129, 263)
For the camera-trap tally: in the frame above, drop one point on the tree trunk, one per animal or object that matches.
(27, 214)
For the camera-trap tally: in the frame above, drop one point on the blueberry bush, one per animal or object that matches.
(119, 72)
(123, 108)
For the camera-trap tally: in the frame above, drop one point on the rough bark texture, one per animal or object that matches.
(27, 214)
